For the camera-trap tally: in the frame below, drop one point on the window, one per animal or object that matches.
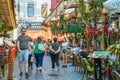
(30, 10)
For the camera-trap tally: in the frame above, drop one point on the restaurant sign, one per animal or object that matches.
(32, 25)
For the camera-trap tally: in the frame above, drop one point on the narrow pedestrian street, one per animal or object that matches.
(47, 73)
(86, 34)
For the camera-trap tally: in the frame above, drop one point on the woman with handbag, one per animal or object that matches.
(39, 51)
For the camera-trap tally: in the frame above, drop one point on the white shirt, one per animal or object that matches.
(65, 44)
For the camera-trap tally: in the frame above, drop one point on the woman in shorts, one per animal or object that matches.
(64, 46)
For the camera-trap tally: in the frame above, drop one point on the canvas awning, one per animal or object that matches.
(61, 8)
(112, 6)
(7, 12)
(70, 2)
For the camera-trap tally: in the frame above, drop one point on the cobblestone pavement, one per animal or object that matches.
(47, 73)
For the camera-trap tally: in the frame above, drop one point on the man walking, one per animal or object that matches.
(55, 49)
(23, 53)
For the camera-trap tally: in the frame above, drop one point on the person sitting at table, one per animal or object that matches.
(76, 48)
(84, 53)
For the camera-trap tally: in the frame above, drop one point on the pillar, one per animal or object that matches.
(12, 54)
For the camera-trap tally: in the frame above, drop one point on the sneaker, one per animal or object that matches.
(53, 69)
(21, 74)
(26, 75)
(40, 70)
(37, 69)
(63, 66)
(31, 68)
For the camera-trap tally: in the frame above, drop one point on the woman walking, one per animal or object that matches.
(30, 61)
(39, 53)
(64, 46)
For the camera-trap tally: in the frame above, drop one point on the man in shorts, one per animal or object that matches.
(23, 53)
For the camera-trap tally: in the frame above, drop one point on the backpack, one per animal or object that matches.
(41, 47)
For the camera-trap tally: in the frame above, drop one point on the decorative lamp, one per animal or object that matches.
(110, 29)
(116, 30)
(49, 23)
(67, 17)
(56, 15)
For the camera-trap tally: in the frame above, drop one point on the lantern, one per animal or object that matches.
(67, 17)
(49, 23)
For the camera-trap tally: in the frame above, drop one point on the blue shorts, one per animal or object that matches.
(23, 55)
(64, 51)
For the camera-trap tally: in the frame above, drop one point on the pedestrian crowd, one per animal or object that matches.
(30, 51)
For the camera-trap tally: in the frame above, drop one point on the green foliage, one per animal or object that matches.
(3, 30)
(78, 20)
(95, 9)
(1, 25)
(82, 7)
(61, 28)
(62, 24)
(71, 37)
(53, 28)
(100, 3)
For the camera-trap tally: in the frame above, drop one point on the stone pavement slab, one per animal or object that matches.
(47, 73)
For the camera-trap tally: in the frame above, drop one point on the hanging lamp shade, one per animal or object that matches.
(67, 17)
(49, 23)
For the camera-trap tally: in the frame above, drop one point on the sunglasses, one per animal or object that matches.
(23, 31)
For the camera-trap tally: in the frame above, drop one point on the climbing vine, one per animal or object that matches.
(95, 9)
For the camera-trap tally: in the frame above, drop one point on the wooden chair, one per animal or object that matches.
(77, 62)
(88, 69)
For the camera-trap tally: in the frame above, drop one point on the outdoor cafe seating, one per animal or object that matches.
(87, 69)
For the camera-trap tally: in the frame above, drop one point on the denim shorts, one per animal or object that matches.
(23, 55)
(64, 51)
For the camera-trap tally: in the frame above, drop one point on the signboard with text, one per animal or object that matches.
(32, 25)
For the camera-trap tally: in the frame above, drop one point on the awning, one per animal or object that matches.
(62, 7)
(59, 8)
(70, 2)
(7, 12)
(70, 10)
(112, 5)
